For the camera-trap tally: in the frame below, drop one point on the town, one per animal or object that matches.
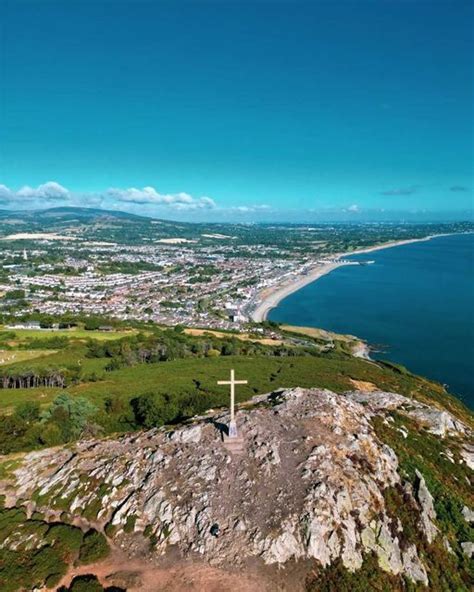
(210, 277)
(190, 286)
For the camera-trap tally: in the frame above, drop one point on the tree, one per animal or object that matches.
(154, 409)
(66, 539)
(28, 411)
(47, 435)
(94, 547)
(71, 414)
(92, 324)
(12, 432)
(15, 295)
(85, 583)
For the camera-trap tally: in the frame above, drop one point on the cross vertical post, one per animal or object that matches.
(232, 396)
(232, 382)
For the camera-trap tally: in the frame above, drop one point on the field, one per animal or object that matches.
(73, 333)
(266, 370)
(241, 336)
(11, 357)
(264, 374)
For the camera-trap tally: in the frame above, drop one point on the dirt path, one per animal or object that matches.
(173, 576)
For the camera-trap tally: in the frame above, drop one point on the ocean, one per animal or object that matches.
(414, 305)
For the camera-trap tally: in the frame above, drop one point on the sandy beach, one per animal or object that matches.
(270, 297)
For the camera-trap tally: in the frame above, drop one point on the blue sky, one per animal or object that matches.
(239, 111)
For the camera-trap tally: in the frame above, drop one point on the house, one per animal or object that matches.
(25, 325)
(235, 315)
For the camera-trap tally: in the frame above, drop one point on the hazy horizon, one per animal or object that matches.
(285, 218)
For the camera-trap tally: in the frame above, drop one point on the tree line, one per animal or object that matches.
(175, 344)
(25, 378)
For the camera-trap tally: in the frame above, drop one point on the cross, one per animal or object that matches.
(232, 382)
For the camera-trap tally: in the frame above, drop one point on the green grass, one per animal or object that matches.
(40, 552)
(188, 378)
(73, 333)
(7, 467)
(72, 356)
(22, 355)
(264, 374)
(9, 398)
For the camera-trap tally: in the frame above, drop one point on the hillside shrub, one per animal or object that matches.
(94, 547)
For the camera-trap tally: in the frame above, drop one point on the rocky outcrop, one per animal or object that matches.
(308, 484)
(437, 421)
(467, 453)
(428, 514)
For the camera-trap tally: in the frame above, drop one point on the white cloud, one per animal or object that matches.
(149, 195)
(250, 209)
(6, 194)
(353, 208)
(147, 198)
(49, 190)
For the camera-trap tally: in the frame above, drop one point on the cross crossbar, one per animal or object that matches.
(232, 382)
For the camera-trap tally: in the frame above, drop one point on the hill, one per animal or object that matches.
(126, 228)
(361, 487)
(70, 213)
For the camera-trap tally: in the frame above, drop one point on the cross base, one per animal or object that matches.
(235, 445)
(233, 429)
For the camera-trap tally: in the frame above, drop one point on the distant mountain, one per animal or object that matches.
(96, 224)
(73, 213)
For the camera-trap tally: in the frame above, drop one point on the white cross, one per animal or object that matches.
(232, 382)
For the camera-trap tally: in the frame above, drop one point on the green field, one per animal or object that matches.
(201, 375)
(110, 375)
(12, 357)
(73, 333)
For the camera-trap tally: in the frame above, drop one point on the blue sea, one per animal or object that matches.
(414, 305)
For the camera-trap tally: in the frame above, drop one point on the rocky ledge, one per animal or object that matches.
(308, 483)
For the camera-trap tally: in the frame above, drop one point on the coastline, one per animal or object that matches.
(270, 297)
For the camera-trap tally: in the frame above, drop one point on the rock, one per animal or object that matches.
(282, 548)
(413, 567)
(378, 538)
(428, 514)
(309, 484)
(467, 453)
(447, 546)
(377, 400)
(318, 534)
(438, 422)
(192, 435)
(468, 514)
(468, 549)
(403, 431)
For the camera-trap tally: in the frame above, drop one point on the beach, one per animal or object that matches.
(270, 297)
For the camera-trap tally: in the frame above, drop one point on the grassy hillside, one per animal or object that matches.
(263, 375)
(110, 375)
(110, 389)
